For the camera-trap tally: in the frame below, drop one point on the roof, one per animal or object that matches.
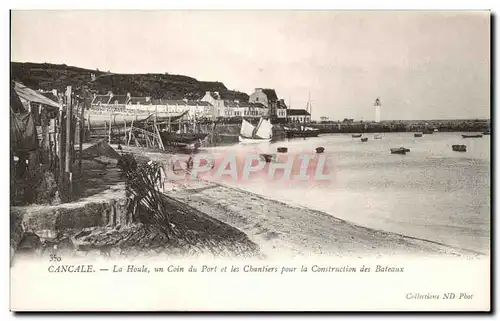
(230, 103)
(51, 96)
(258, 105)
(33, 96)
(203, 103)
(103, 99)
(271, 94)
(174, 102)
(139, 100)
(197, 103)
(281, 104)
(15, 103)
(298, 112)
(118, 99)
(214, 95)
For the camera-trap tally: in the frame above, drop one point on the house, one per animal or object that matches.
(281, 110)
(217, 104)
(197, 109)
(266, 97)
(138, 100)
(298, 115)
(117, 102)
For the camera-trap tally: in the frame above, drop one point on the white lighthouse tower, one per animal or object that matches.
(377, 104)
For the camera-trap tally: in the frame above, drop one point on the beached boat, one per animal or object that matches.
(459, 148)
(400, 150)
(320, 150)
(417, 135)
(262, 133)
(182, 139)
(472, 135)
(356, 135)
(364, 140)
(282, 149)
(102, 117)
(377, 136)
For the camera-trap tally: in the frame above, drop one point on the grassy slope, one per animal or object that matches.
(50, 76)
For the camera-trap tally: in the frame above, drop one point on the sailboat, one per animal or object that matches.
(252, 135)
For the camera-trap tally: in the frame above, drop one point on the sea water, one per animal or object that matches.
(431, 193)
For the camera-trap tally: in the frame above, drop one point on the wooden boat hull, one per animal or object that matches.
(364, 140)
(98, 119)
(357, 135)
(245, 140)
(305, 133)
(417, 135)
(472, 136)
(182, 140)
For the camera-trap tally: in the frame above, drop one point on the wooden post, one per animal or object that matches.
(125, 126)
(45, 136)
(82, 128)
(130, 133)
(109, 134)
(60, 147)
(69, 118)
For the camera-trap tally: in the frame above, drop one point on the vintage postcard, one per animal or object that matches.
(250, 160)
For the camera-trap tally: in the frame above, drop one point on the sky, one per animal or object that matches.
(422, 65)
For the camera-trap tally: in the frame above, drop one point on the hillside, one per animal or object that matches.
(50, 76)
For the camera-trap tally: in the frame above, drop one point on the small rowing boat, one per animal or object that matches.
(472, 135)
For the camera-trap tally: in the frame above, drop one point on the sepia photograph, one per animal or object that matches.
(284, 151)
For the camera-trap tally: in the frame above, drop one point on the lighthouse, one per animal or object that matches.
(377, 104)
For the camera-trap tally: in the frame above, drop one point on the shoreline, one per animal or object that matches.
(282, 229)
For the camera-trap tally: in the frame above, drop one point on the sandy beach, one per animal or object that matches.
(283, 230)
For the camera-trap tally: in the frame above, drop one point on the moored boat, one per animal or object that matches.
(364, 139)
(417, 135)
(377, 136)
(356, 135)
(459, 148)
(301, 132)
(472, 135)
(320, 150)
(282, 149)
(399, 150)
